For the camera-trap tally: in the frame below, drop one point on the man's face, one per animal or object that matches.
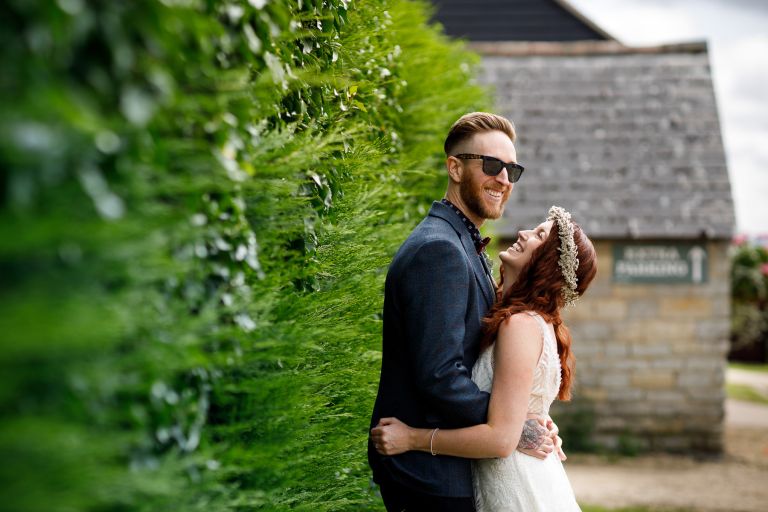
(486, 195)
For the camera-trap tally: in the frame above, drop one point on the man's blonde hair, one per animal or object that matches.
(476, 122)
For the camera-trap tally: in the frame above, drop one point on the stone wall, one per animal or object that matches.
(651, 358)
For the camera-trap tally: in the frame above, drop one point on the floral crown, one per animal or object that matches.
(569, 261)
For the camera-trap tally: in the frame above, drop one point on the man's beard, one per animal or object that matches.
(472, 197)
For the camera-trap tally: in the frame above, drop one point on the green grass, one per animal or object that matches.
(745, 393)
(752, 367)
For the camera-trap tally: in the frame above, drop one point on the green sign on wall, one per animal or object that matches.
(660, 263)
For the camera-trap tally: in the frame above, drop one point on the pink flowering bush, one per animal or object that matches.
(749, 286)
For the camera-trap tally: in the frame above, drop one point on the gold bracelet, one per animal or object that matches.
(431, 439)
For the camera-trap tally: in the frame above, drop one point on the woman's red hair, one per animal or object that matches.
(538, 288)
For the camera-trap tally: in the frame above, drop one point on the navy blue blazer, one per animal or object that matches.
(437, 291)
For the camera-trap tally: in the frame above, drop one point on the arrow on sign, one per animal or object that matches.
(697, 256)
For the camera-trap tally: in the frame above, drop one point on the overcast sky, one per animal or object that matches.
(737, 33)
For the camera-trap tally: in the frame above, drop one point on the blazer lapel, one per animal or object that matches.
(478, 265)
(482, 273)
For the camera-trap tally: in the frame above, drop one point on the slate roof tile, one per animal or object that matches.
(630, 143)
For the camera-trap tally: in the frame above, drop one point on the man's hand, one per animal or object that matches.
(391, 436)
(553, 432)
(540, 438)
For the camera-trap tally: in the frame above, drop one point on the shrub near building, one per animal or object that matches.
(199, 201)
(749, 288)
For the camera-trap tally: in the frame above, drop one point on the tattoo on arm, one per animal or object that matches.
(532, 436)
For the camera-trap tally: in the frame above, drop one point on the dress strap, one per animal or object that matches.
(547, 344)
(540, 321)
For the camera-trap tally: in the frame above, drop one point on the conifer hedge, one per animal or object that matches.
(198, 201)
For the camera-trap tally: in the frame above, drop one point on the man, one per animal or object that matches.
(438, 289)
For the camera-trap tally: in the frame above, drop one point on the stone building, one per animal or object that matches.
(628, 140)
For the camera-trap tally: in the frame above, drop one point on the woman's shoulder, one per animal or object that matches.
(521, 325)
(521, 319)
(520, 335)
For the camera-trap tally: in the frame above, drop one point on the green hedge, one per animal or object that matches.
(199, 201)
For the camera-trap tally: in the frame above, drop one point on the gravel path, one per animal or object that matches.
(672, 482)
(736, 483)
(745, 414)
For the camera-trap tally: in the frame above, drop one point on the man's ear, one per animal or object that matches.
(455, 169)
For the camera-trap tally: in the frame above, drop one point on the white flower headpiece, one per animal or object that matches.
(569, 261)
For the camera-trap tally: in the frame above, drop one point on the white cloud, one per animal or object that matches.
(740, 75)
(643, 25)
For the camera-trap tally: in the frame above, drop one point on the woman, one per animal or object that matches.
(526, 364)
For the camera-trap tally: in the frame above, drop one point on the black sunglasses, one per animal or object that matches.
(493, 166)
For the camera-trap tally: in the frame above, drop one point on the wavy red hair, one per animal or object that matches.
(538, 288)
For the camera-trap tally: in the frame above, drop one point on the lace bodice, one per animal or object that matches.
(546, 376)
(521, 483)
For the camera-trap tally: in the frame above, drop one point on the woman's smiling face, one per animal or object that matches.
(519, 254)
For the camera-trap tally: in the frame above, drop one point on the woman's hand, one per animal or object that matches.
(536, 439)
(391, 436)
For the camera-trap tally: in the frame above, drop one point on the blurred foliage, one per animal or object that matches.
(576, 421)
(198, 200)
(749, 293)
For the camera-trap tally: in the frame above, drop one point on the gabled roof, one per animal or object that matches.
(516, 20)
(626, 139)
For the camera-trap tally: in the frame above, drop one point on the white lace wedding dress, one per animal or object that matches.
(521, 483)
